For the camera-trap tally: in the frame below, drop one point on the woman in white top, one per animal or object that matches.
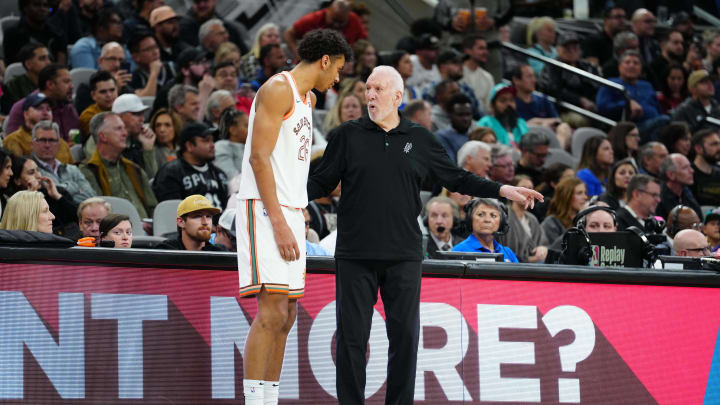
(229, 150)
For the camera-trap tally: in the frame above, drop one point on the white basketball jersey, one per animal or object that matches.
(290, 159)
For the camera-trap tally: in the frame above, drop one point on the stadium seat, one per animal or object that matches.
(125, 207)
(580, 136)
(560, 156)
(8, 21)
(164, 217)
(13, 70)
(80, 76)
(554, 143)
(77, 153)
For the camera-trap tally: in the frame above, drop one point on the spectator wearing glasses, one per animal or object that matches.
(87, 50)
(45, 149)
(113, 58)
(36, 108)
(643, 196)
(502, 169)
(34, 57)
(691, 243)
(151, 73)
(599, 47)
(643, 25)
(534, 147)
(166, 26)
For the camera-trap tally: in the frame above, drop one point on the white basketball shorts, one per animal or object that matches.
(259, 261)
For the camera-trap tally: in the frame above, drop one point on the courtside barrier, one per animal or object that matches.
(133, 326)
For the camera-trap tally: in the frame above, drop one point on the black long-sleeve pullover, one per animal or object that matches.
(381, 173)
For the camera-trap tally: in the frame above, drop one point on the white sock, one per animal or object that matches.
(272, 392)
(254, 391)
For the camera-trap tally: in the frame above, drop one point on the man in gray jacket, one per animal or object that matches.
(45, 146)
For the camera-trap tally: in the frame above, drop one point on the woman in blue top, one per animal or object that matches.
(595, 162)
(487, 218)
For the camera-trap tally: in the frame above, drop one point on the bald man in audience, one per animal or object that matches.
(691, 243)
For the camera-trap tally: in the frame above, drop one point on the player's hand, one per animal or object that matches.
(522, 195)
(287, 245)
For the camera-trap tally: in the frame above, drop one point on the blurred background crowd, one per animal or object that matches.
(126, 120)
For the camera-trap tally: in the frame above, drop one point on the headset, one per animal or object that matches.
(675, 215)
(456, 222)
(472, 204)
(580, 220)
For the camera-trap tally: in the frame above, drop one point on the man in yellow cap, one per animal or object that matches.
(700, 104)
(194, 221)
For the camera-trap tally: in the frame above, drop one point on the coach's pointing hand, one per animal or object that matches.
(521, 195)
(287, 245)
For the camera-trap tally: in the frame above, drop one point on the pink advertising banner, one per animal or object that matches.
(88, 335)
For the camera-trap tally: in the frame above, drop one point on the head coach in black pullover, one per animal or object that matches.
(382, 160)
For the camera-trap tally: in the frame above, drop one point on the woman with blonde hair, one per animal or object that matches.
(27, 211)
(250, 62)
(227, 52)
(348, 107)
(541, 41)
(570, 197)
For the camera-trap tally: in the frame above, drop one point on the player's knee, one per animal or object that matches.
(273, 320)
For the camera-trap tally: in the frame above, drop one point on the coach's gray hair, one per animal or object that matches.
(214, 102)
(396, 80)
(97, 123)
(205, 28)
(470, 148)
(176, 95)
(46, 125)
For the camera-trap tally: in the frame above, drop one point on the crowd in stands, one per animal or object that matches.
(162, 114)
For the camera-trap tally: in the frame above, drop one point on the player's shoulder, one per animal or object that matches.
(276, 85)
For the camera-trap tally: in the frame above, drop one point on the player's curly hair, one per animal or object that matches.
(321, 42)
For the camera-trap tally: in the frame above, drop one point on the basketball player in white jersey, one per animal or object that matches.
(273, 191)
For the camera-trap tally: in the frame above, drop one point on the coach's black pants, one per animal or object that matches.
(357, 283)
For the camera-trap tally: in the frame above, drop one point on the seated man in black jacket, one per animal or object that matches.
(643, 196)
(194, 221)
(193, 171)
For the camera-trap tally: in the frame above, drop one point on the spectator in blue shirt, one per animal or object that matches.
(595, 163)
(644, 107)
(460, 120)
(487, 219)
(531, 105)
(311, 249)
(108, 28)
